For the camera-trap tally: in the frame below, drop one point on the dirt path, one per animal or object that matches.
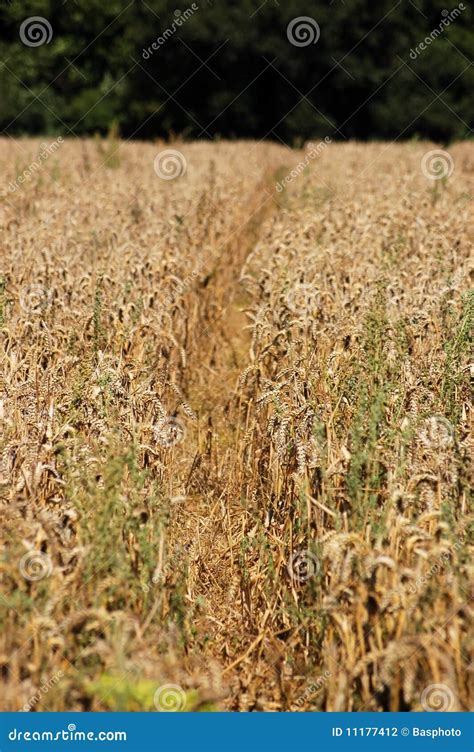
(211, 524)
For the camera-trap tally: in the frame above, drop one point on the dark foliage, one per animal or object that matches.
(228, 69)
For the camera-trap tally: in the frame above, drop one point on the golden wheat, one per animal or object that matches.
(235, 429)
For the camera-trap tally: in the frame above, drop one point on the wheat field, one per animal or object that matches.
(234, 446)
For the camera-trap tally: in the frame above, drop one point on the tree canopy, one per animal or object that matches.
(217, 68)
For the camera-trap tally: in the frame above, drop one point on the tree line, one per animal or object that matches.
(290, 70)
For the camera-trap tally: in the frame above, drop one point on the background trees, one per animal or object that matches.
(229, 70)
